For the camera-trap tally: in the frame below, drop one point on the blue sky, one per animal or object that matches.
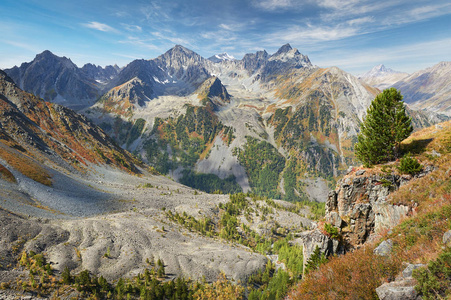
(406, 35)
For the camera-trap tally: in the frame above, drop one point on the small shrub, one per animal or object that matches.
(409, 165)
(332, 231)
(434, 282)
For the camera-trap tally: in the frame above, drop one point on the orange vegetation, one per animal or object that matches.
(26, 166)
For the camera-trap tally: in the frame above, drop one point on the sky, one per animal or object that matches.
(354, 35)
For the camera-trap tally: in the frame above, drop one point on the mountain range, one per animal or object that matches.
(426, 90)
(272, 124)
(192, 117)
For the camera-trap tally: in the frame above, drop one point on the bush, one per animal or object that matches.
(409, 165)
(434, 282)
(332, 231)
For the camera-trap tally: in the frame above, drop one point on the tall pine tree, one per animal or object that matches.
(385, 127)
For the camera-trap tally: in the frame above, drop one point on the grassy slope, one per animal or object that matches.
(417, 239)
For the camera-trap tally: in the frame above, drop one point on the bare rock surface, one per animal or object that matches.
(359, 205)
(310, 240)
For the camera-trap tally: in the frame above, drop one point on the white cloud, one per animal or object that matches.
(25, 46)
(360, 21)
(168, 36)
(132, 28)
(143, 43)
(99, 26)
(419, 13)
(273, 4)
(310, 34)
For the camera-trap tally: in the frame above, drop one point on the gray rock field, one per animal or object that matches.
(80, 219)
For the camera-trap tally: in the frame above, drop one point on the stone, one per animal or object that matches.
(409, 269)
(384, 249)
(447, 238)
(435, 154)
(398, 290)
(360, 172)
(334, 219)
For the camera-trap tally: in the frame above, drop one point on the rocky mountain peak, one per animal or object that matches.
(284, 49)
(49, 59)
(179, 57)
(291, 57)
(379, 71)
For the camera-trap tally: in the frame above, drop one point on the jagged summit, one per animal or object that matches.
(56, 79)
(180, 50)
(382, 77)
(284, 49)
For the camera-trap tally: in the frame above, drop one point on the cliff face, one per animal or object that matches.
(359, 205)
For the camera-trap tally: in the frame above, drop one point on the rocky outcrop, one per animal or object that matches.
(359, 206)
(310, 240)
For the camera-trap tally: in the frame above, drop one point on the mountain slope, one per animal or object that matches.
(429, 89)
(42, 130)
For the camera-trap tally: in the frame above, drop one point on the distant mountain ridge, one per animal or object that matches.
(429, 89)
(382, 77)
(59, 80)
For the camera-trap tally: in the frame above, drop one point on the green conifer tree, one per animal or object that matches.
(385, 127)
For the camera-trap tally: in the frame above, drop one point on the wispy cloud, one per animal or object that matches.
(99, 26)
(138, 42)
(132, 28)
(360, 21)
(272, 5)
(420, 13)
(24, 46)
(169, 36)
(309, 34)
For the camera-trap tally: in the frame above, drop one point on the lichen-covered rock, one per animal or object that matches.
(384, 249)
(398, 290)
(403, 288)
(447, 238)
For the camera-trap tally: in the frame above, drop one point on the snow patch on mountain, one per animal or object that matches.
(221, 57)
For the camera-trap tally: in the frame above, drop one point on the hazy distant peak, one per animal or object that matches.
(378, 71)
(222, 57)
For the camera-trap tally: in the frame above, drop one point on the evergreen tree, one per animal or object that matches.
(385, 127)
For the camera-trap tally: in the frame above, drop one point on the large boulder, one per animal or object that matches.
(403, 288)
